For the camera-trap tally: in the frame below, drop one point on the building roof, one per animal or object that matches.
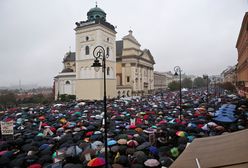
(95, 22)
(96, 13)
(149, 54)
(229, 150)
(119, 47)
(131, 38)
(243, 28)
(67, 70)
(69, 56)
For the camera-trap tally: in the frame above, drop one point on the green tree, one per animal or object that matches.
(67, 98)
(174, 85)
(228, 86)
(187, 83)
(7, 99)
(199, 82)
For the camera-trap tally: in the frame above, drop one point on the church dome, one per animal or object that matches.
(96, 13)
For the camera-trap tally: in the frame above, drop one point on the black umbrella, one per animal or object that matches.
(4, 161)
(28, 147)
(166, 161)
(122, 160)
(140, 157)
(17, 162)
(45, 159)
(143, 146)
(137, 166)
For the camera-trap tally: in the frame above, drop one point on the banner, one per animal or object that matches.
(7, 128)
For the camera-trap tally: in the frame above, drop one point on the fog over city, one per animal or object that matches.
(199, 36)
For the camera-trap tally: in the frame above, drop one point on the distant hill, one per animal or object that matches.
(23, 87)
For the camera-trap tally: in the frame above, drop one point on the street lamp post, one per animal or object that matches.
(206, 77)
(99, 53)
(178, 71)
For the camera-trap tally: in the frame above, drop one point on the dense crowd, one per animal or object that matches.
(142, 131)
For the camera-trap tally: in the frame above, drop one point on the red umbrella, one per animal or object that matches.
(132, 143)
(42, 118)
(89, 133)
(96, 162)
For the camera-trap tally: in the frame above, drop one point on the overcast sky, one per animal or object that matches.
(198, 35)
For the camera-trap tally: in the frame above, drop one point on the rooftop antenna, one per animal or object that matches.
(69, 48)
(20, 85)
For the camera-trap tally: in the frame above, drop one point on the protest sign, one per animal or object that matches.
(7, 128)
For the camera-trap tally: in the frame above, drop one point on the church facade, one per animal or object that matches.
(129, 70)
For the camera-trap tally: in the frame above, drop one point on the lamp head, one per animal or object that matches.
(97, 65)
(176, 74)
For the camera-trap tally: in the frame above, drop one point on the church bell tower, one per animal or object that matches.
(91, 33)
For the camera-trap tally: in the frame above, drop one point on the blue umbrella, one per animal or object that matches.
(225, 118)
(112, 142)
(227, 109)
(153, 150)
(217, 113)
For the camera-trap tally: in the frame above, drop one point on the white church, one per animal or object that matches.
(129, 69)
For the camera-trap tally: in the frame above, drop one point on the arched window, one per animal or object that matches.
(107, 51)
(124, 94)
(119, 94)
(87, 50)
(107, 39)
(86, 38)
(67, 82)
(128, 93)
(108, 70)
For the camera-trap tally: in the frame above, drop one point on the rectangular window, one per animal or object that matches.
(128, 79)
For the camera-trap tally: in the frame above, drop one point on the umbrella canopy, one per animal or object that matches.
(225, 118)
(143, 146)
(132, 143)
(140, 156)
(112, 142)
(166, 161)
(152, 163)
(181, 133)
(153, 150)
(122, 141)
(96, 162)
(174, 152)
(229, 150)
(97, 145)
(73, 151)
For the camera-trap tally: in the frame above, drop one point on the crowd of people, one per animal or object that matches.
(147, 131)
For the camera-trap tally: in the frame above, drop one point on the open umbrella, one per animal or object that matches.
(96, 162)
(174, 152)
(122, 136)
(140, 156)
(73, 151)
(151, 163)
(225, 118)
(97, 145)
(122, 141)
(143, 146)
(166, 161)
(112, 142)
(153, 150)
(132, 143)
(181, 133)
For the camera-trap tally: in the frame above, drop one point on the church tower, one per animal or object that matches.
(93, 32)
